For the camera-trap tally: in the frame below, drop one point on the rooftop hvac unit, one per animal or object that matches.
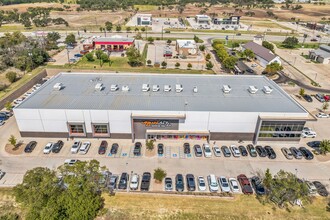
(155, 88)
(99, 87)
(267, 89)
(178, 88)
(195, 89)
(125, 88)
(114, 87)
(253, 89)
(145, 87)
(226, 89)
(58, 86)
(167, 88)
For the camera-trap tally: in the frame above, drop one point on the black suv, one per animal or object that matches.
(145, 182)
(296, 153)
(270, 152)
(191, 185)
(186, 148)
(251, 149)
(57, 146)
(160, 149)
(225, 151)
(257, 185)
(137, 149)
(179, 183)
(243, 151)
(261, 151)
(103, 147)
(123, 181)
(306, 153)
(114, 148)
(30, 147)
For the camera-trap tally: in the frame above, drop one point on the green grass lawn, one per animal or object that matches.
(266, 24)
(230, 42)
(300, 45)
(146, 7)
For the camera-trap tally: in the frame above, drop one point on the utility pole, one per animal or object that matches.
(67, 52)
(162, 33)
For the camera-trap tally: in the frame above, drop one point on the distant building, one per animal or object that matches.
(321, 55)
(186, 47)
(232, 20)
(114, 43)
(263, 55)
(144, 19)
(278, 1)
(202, 19)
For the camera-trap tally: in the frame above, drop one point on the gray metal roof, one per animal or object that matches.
(260, 51)
(79, 93)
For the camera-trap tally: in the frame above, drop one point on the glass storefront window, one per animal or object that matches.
(281, 129)
(77, 129)
(101, 129)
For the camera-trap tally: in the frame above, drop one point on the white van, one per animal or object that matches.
(213, 184)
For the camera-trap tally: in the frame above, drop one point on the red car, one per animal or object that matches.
(326, 98)
(245, 184)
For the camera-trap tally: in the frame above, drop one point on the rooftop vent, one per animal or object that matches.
(58, 86)
(226, 89)
(114, 87)
(178, 88)
(145, 87)
(253, 89)
(125, 88)
(195, 89)
(167, 88)
(99, 87)
(267, 89)
(155, 88)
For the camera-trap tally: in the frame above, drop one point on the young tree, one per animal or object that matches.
(169, 41)
(8, 106)
(229, 62)
(202, 47)
(268, 179)
(208, 57)
(150, 145)
(128, 29)
(249, 54)
(136, 29)
(143, 29)
(11, 76)
(209, 65)
(189, 66)
(268, 45)
(325, 106)
(89, 57)
(12, 140)
(70, 39)
(164, 64)
(302, 92)
(159, 174)
(177, 65)
(290, 42)
(235, 45)
(149, 62)
(118, 28)
(104, 57)
(325, 146)
(108, 26)
(134, 57)
(151, 40)
(273, 68)
(98, 54)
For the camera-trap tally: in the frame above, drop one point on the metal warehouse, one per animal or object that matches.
(158, 106)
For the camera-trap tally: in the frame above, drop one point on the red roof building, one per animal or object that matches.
(115, 43)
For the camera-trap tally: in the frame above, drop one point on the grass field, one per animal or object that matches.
(230, 42)
(300, 45)
(265, 24)
(146, 7)
(139, 206)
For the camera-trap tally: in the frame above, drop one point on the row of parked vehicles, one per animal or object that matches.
(212, 183)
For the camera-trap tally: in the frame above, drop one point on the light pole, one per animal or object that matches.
(67, 52)
(127, 188)
(296, 174)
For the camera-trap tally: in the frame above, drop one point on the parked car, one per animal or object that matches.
(75, 147)
(261, 151)
(235, 151)
(251, 149)
(191, 185)
(48, 148)
(7, 113)
(308, 134)
(113, 182)
(308, 98)
(306, 153)
(168, 184)
(179, 186)
(314, 39)
(314, 144)
(134, 185)
(243, 151)
(2, 122)
(57, 146)
(207, 150)
(322, 115)
(233, 185)
(160, 148)
(245, 184)
(2, 174)
(198, 150)
(320, 97)
(30, 146)
(78, 55)
(51, 60)
(321, 190)
(258, 186)
(103, 147)
(70, 162)
(225, 151)
(114, 148)
(123, 181)
(145, 182)
(201, 183)
(216, 151)
(84, 147)
(295, 152)
(137, 149)
(213, 184)
(186, 148)
(224, 185)
(311, 187)
(270, 152)
(287, 153)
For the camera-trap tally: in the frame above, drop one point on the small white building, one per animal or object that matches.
(321, 55)
(144, 19)
(186, 47)
(263, 55)
(202, 19)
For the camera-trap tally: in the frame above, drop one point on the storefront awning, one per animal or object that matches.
(176, 132)
(167, 116)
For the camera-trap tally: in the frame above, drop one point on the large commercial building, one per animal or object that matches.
(144, 19)
(114, 43)
(139, 106)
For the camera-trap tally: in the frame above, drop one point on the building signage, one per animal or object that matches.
(157, 123)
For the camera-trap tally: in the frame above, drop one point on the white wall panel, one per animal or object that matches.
(55, 126)
(29, 125)
(88, 121)
(233, 121)
(197, 121)
(99, 116)
(120, 121)
(53, 114)
(75, 115)
(28, 114)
